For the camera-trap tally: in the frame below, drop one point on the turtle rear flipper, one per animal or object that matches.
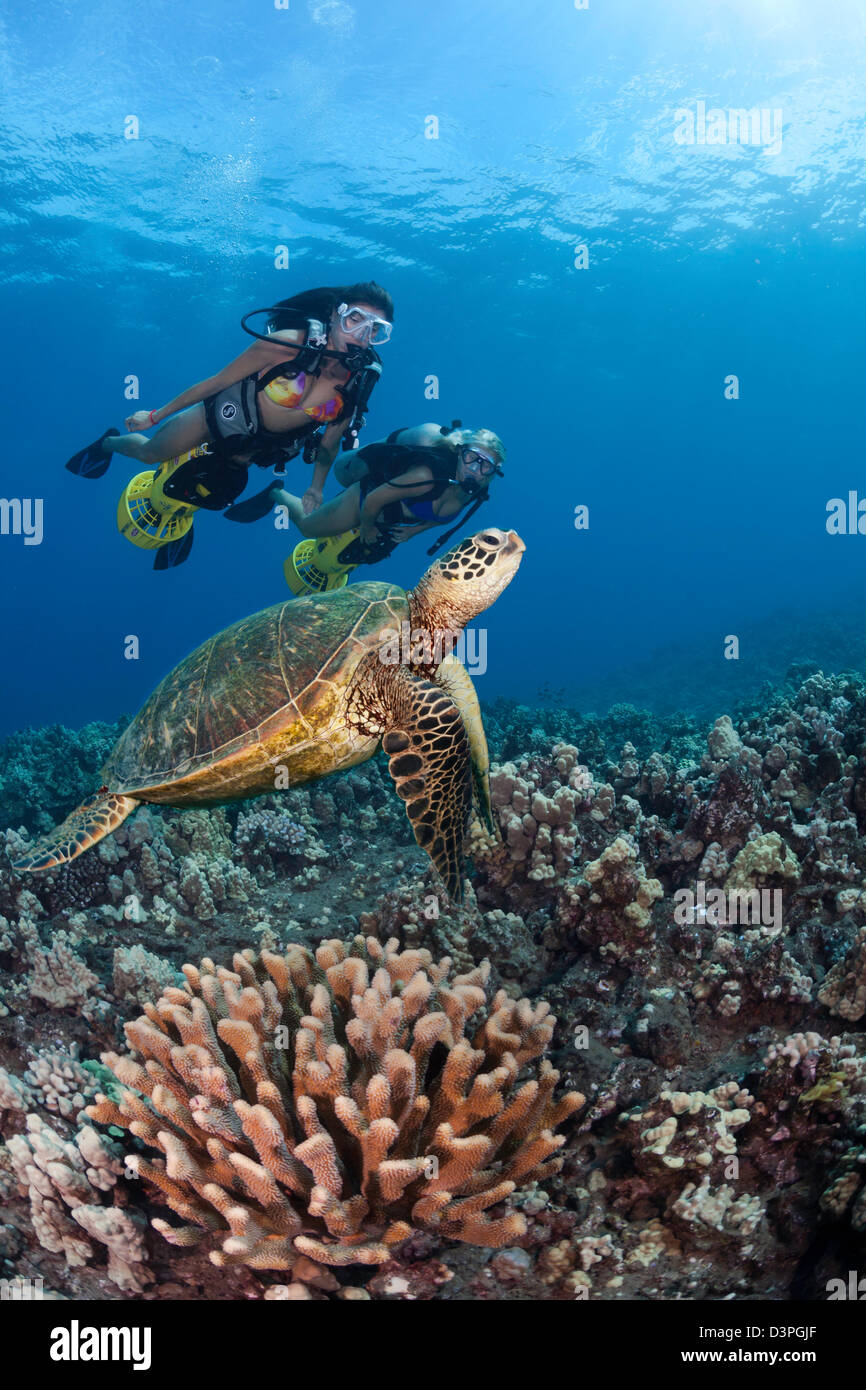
(429, 761)
(83, 827)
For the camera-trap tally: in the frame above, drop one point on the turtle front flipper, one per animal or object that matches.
(452, 675)
(83, 827)
(428, 751)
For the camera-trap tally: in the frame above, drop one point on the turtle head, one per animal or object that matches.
(467, 579)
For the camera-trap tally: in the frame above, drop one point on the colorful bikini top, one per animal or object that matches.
(288, 391)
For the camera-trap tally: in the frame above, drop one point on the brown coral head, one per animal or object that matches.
(326, 1106)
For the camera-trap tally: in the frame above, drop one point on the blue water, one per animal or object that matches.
(305, 127)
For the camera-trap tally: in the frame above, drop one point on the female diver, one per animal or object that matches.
(416, 479)
(252, 411)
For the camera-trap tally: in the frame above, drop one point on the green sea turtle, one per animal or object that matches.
(310, 687)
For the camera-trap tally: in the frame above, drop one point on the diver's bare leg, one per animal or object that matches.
(179, 434)
(342, 513)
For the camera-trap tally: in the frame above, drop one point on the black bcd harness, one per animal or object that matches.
(363, 364)
(214, 482)
(440, 462)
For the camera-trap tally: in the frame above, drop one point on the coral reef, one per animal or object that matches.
(844, 989)
(44, 773)
(689, 898)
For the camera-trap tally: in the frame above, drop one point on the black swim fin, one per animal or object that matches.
(252, 508)
(173, 554)
(93, 461)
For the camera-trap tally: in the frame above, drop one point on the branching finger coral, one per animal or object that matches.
(327, 1107)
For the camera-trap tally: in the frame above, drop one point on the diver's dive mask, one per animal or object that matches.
(477, 466)
(365, 327)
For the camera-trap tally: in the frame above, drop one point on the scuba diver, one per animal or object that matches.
(304, 384)
(416, 479)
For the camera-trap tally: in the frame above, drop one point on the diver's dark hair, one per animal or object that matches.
(321, 303)
(368, 292)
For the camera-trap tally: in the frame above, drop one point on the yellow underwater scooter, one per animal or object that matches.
(315, 566)
(152, 519)
(320, 566)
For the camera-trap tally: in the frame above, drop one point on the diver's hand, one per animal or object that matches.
(311, 499)
(140, 420)
(369, 533)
